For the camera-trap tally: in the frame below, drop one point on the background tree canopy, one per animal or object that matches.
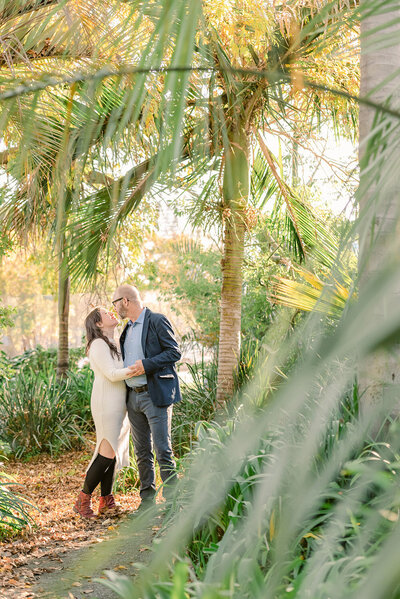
(165, 109)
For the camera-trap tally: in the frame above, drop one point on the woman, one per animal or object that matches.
(109, 412)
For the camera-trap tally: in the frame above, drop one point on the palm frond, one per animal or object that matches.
(317, 238)
(93, 226)
(262, 184)
(329, 298)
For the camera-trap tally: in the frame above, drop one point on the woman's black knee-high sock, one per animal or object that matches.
(107, 480)
(96, 472)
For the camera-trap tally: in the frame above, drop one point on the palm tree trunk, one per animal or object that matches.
(235, 197)
(379, 61)
(63, 314)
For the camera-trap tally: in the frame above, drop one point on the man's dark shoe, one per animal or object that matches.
(145, 505)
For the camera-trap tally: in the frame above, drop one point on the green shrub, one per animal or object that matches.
(35, 415)
(14, 514)
(250, 352)
(79, 388)
(43, 360)
(6, 368)
(127, 479)
(198, 403)
(38, 412)
(199, 395)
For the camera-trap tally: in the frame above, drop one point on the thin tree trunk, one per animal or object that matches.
(63, 316)
(295, 161)
(235, 197)
(379, 194)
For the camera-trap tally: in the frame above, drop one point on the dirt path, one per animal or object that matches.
(126, 550)
(62, 548)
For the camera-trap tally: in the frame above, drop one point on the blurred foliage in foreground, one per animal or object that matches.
(295, 494)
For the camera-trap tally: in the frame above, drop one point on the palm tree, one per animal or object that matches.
(238, 107)
(67, 129)
(230, 94)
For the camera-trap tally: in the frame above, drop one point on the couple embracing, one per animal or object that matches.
(133, 388)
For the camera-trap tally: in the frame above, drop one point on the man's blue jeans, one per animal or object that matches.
(150, 425)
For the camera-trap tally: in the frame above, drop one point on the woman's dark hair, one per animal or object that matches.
(93, 331)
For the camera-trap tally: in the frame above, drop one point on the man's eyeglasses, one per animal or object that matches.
(117, 300)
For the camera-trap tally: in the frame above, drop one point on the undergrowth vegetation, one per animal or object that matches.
(14, 509)
(38, 412)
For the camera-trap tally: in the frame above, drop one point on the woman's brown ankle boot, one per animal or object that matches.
(83, 506)
(107, 505)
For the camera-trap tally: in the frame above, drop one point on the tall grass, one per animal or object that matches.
(200, 391)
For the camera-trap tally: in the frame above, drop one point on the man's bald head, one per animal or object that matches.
(129, 292)
(127, 302)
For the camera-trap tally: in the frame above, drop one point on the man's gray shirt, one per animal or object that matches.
(133, 349)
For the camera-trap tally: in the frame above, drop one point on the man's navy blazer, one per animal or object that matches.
(161, 351)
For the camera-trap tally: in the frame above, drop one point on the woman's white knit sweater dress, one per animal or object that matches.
(108, 402)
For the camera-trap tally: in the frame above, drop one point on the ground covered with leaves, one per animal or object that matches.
(51, 484)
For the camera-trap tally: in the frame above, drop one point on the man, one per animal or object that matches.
(148, 342)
